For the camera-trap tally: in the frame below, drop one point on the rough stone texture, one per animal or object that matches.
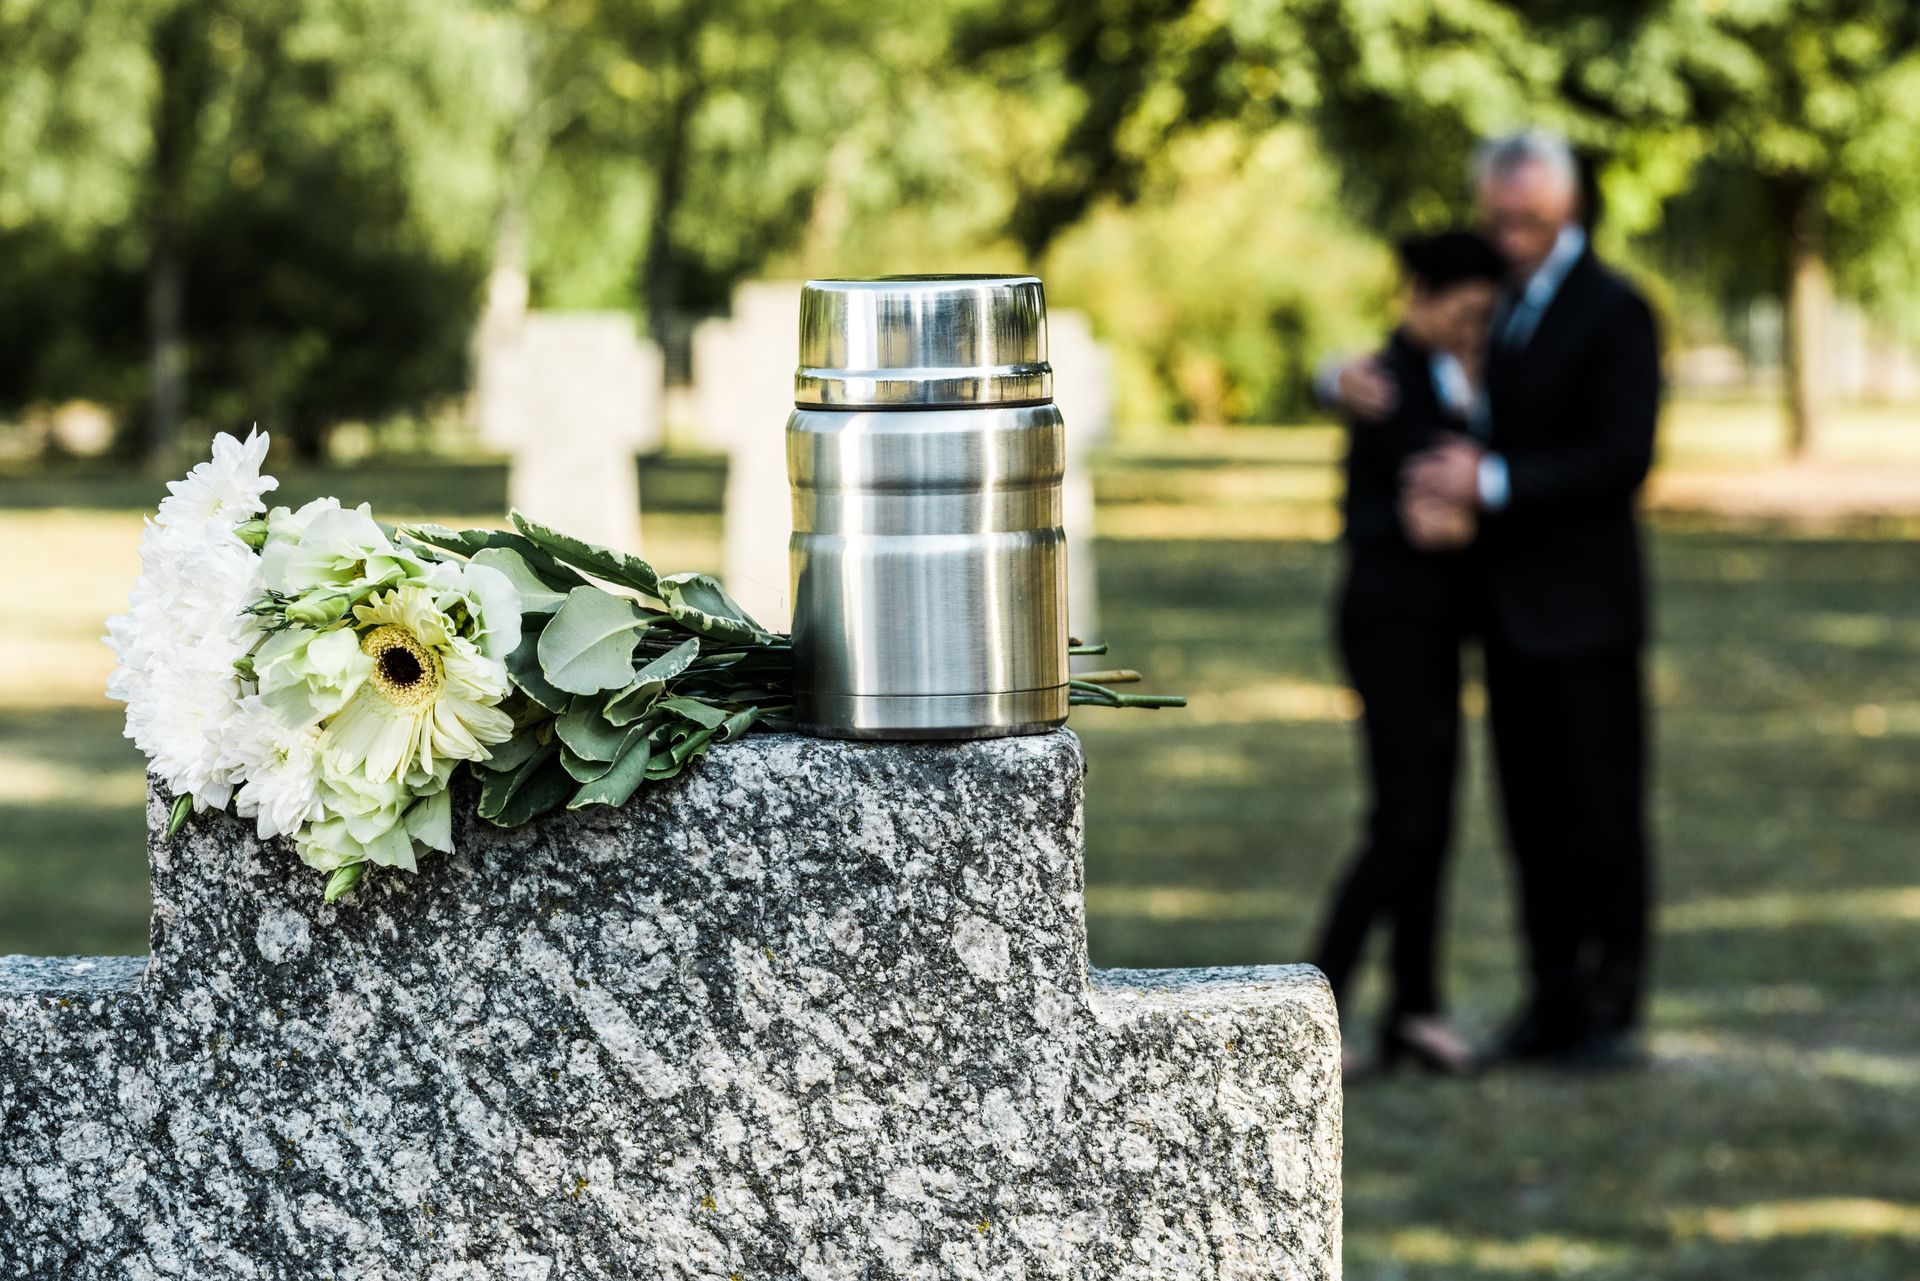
(816, 1010)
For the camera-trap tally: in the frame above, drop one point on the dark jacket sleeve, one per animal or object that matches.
(1609, 461)
(1378, 450)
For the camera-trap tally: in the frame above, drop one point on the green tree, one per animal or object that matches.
(1807, 109)
(238, 165)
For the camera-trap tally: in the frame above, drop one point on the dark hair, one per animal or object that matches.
(1449, 258)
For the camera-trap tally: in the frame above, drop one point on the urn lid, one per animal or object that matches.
(923, 342)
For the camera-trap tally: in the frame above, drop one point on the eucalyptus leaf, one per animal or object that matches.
(705, 715)
(511, 754)
(585, 730)
(471, 542)
(632, 702)
(700, 604)
(602, 562)
(541, 784)
(588, 645)
(523, 665)
(622, 779)
(580, 769)
(738, 723)
(535, 596)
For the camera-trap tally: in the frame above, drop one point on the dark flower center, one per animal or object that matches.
(400, 666)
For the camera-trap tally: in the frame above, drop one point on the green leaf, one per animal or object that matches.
(633, 702)
(700, 604)
(622, 779)
(580, 769)
(535, 596)
(588, 645)
(584, 730)
(508, 800)
(344, 879)
(513, 753)
(471, 542)
(692, 747)
(705, 715)
(177, 816)
(738, 723)
(602, 562)
(523, 665)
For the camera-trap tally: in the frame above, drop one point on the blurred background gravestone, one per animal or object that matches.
(572, 397)
(1083, 388)
(743, 390)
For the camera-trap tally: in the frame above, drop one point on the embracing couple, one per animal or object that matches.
(1498, 443)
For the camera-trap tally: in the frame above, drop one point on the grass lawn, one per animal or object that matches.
(1779, 1135)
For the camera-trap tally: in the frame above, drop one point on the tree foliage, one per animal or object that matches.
(289, 213)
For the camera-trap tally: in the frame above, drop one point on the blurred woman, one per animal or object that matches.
(1402, 617)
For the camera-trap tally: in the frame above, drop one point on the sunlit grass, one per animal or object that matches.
(1829, 1216)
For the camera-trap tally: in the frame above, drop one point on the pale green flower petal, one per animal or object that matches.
(430, 822)
(305, 674)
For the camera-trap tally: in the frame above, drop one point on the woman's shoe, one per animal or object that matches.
(1429, 1043)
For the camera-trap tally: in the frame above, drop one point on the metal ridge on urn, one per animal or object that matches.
(923, 342)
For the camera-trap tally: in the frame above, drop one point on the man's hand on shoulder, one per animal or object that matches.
(1361, 386)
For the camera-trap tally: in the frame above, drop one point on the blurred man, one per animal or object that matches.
(1545, 491)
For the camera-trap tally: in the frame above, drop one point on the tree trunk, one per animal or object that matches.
(659, 272)
(1808, 294)
(174, 119)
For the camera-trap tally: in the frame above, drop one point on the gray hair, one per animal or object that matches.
(1500, 157)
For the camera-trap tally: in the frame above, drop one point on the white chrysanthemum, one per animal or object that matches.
(280, 765)
(432, 697)
(223, 490)
(187, 624)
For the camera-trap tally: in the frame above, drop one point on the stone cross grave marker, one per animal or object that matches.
(1083, 388)
(814, 1011)
(573, 397)
(743, 372)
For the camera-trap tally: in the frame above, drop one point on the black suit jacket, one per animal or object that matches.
(1573, 413)
(1391, 590)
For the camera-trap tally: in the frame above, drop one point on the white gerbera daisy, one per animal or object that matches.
(430, 699)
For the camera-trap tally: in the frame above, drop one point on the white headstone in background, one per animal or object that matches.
(743, 376)
(573, 397)
(1083, 388)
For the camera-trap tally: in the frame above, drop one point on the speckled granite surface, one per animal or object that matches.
(817, 1010)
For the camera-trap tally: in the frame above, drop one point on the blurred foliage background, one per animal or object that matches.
(218, 211)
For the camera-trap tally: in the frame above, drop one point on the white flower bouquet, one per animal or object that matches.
(325, 675)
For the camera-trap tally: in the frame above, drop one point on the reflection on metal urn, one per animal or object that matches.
(925, 455)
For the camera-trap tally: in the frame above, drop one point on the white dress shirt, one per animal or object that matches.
(1513, 328)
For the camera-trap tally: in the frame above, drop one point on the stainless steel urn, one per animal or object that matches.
(925, 454)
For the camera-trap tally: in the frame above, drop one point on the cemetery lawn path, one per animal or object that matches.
(1776, 1137)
